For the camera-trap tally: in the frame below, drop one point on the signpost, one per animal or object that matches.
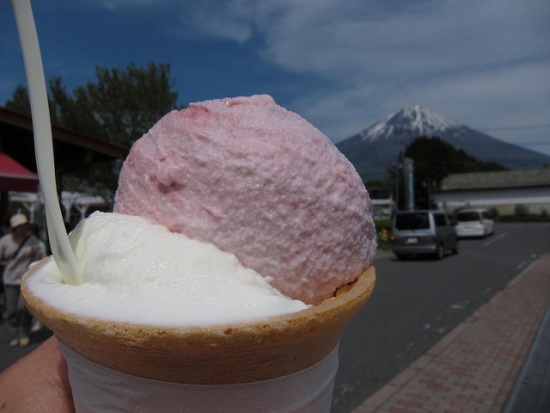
(408, 165)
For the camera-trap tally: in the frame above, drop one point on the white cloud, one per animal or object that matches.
(480, 62)
(504, 97)
(337, 39)
(357, 40)
(220, 19)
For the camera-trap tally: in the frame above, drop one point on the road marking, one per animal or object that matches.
(494, 240)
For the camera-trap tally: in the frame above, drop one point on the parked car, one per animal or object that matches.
(423, 232)
(474, 223)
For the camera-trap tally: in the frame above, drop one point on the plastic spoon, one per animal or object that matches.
(43, 145)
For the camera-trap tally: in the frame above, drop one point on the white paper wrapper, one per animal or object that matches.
(99, 389)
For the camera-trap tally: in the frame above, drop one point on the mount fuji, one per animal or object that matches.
(375, 149)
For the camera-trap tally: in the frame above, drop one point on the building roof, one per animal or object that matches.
(521, 178)
(72, 150)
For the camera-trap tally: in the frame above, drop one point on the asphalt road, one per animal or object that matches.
(416, 302)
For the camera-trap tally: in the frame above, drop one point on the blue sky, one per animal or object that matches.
(341, 64)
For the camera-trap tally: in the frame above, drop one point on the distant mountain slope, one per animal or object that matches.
(375, 149)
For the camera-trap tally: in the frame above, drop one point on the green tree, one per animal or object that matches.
(434, 159)
(20, 100)
(119, 107)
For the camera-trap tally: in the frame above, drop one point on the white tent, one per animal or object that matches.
(78, 200)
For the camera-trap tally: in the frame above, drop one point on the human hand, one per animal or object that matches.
(37, 383)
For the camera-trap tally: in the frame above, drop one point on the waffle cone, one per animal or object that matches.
(224, 354)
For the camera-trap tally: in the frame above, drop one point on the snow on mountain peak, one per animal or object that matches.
(377, 148)
(413, 121)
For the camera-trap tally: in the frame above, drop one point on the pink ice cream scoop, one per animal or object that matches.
(260, 182)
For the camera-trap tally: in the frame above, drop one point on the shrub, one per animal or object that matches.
(521, 211)
(383, 230)
(493, 212)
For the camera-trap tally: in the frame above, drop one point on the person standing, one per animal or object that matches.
(36, 325)
(17, 251)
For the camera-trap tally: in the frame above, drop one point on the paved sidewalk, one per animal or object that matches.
(474, 368)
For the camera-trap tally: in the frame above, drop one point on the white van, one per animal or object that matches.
(474, 223)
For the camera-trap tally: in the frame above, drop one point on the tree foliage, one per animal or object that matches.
(118, 107)
(121, 105)
(20, 100)
(434, 159)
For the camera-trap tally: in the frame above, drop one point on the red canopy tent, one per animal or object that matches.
(15, 177)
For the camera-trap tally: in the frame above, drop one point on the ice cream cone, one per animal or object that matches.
(225, 354)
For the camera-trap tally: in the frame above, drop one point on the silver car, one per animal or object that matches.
(423, 232)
